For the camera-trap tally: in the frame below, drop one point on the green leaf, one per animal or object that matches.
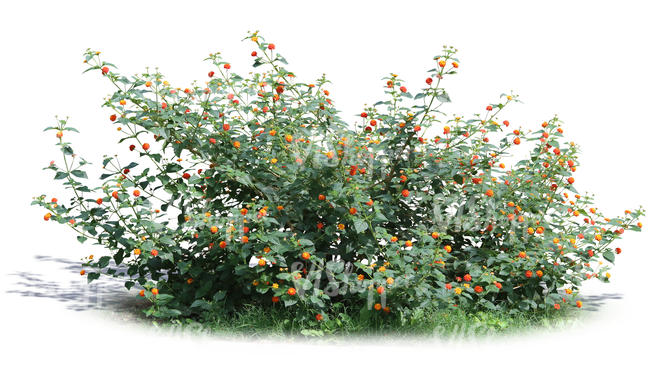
(92, 276)
(443, 97)
(360, 225)
(79, 173)
(609, 256)
(305, 242)
(103, 261)
(60, 175)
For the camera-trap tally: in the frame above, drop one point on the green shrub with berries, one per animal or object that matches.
(251, 190)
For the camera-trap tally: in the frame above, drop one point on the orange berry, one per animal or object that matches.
(291, 291)
(136, 193)
(275, 299)
(435, 235)
(377, 306)
(154, 252)
(380, 289)
(321, 197)
(141, 293)
(319, 317)
(47, 216)
(305, 255)
(489, 193)
(137, 252)
(405, 193)
(214, 229)
(353, 211)
(154, 291)
(222, 244)
(145, 146)
(82, 272)
(244, 239)
(261, 262)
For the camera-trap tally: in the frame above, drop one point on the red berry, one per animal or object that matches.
(186, 175)
(271, 46)
(132, 147)
(210, 74)
(403, 89)
(429, 80)
(113, 118)
(104, 70)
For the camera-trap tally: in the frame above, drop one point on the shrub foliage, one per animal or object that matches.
(251, 189)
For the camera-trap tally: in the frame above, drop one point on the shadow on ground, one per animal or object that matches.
(73, 291)
(596, 302)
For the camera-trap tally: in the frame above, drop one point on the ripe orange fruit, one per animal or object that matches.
(435, 235)
(377, 306)
(141, 293)
(47, 216)
(305, 255)
(214, 229)
(380, 290)
(571, 180)
(136, 193)
(244, 239)
(319, 317)
(261, 262)
(405, 193)
(353, 211)
(222, 244)
(291, 291)
(154, 291)
(489, 193)
(82, 272)
(154, 252)
(99, 201)
(321, 197)
(288, 138)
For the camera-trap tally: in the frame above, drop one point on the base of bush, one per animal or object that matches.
(260, 322)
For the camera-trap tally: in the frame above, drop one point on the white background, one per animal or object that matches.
(585, 61)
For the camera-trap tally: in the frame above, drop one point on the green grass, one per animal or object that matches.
(258, 322)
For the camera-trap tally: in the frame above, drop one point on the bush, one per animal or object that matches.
(251, 190)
